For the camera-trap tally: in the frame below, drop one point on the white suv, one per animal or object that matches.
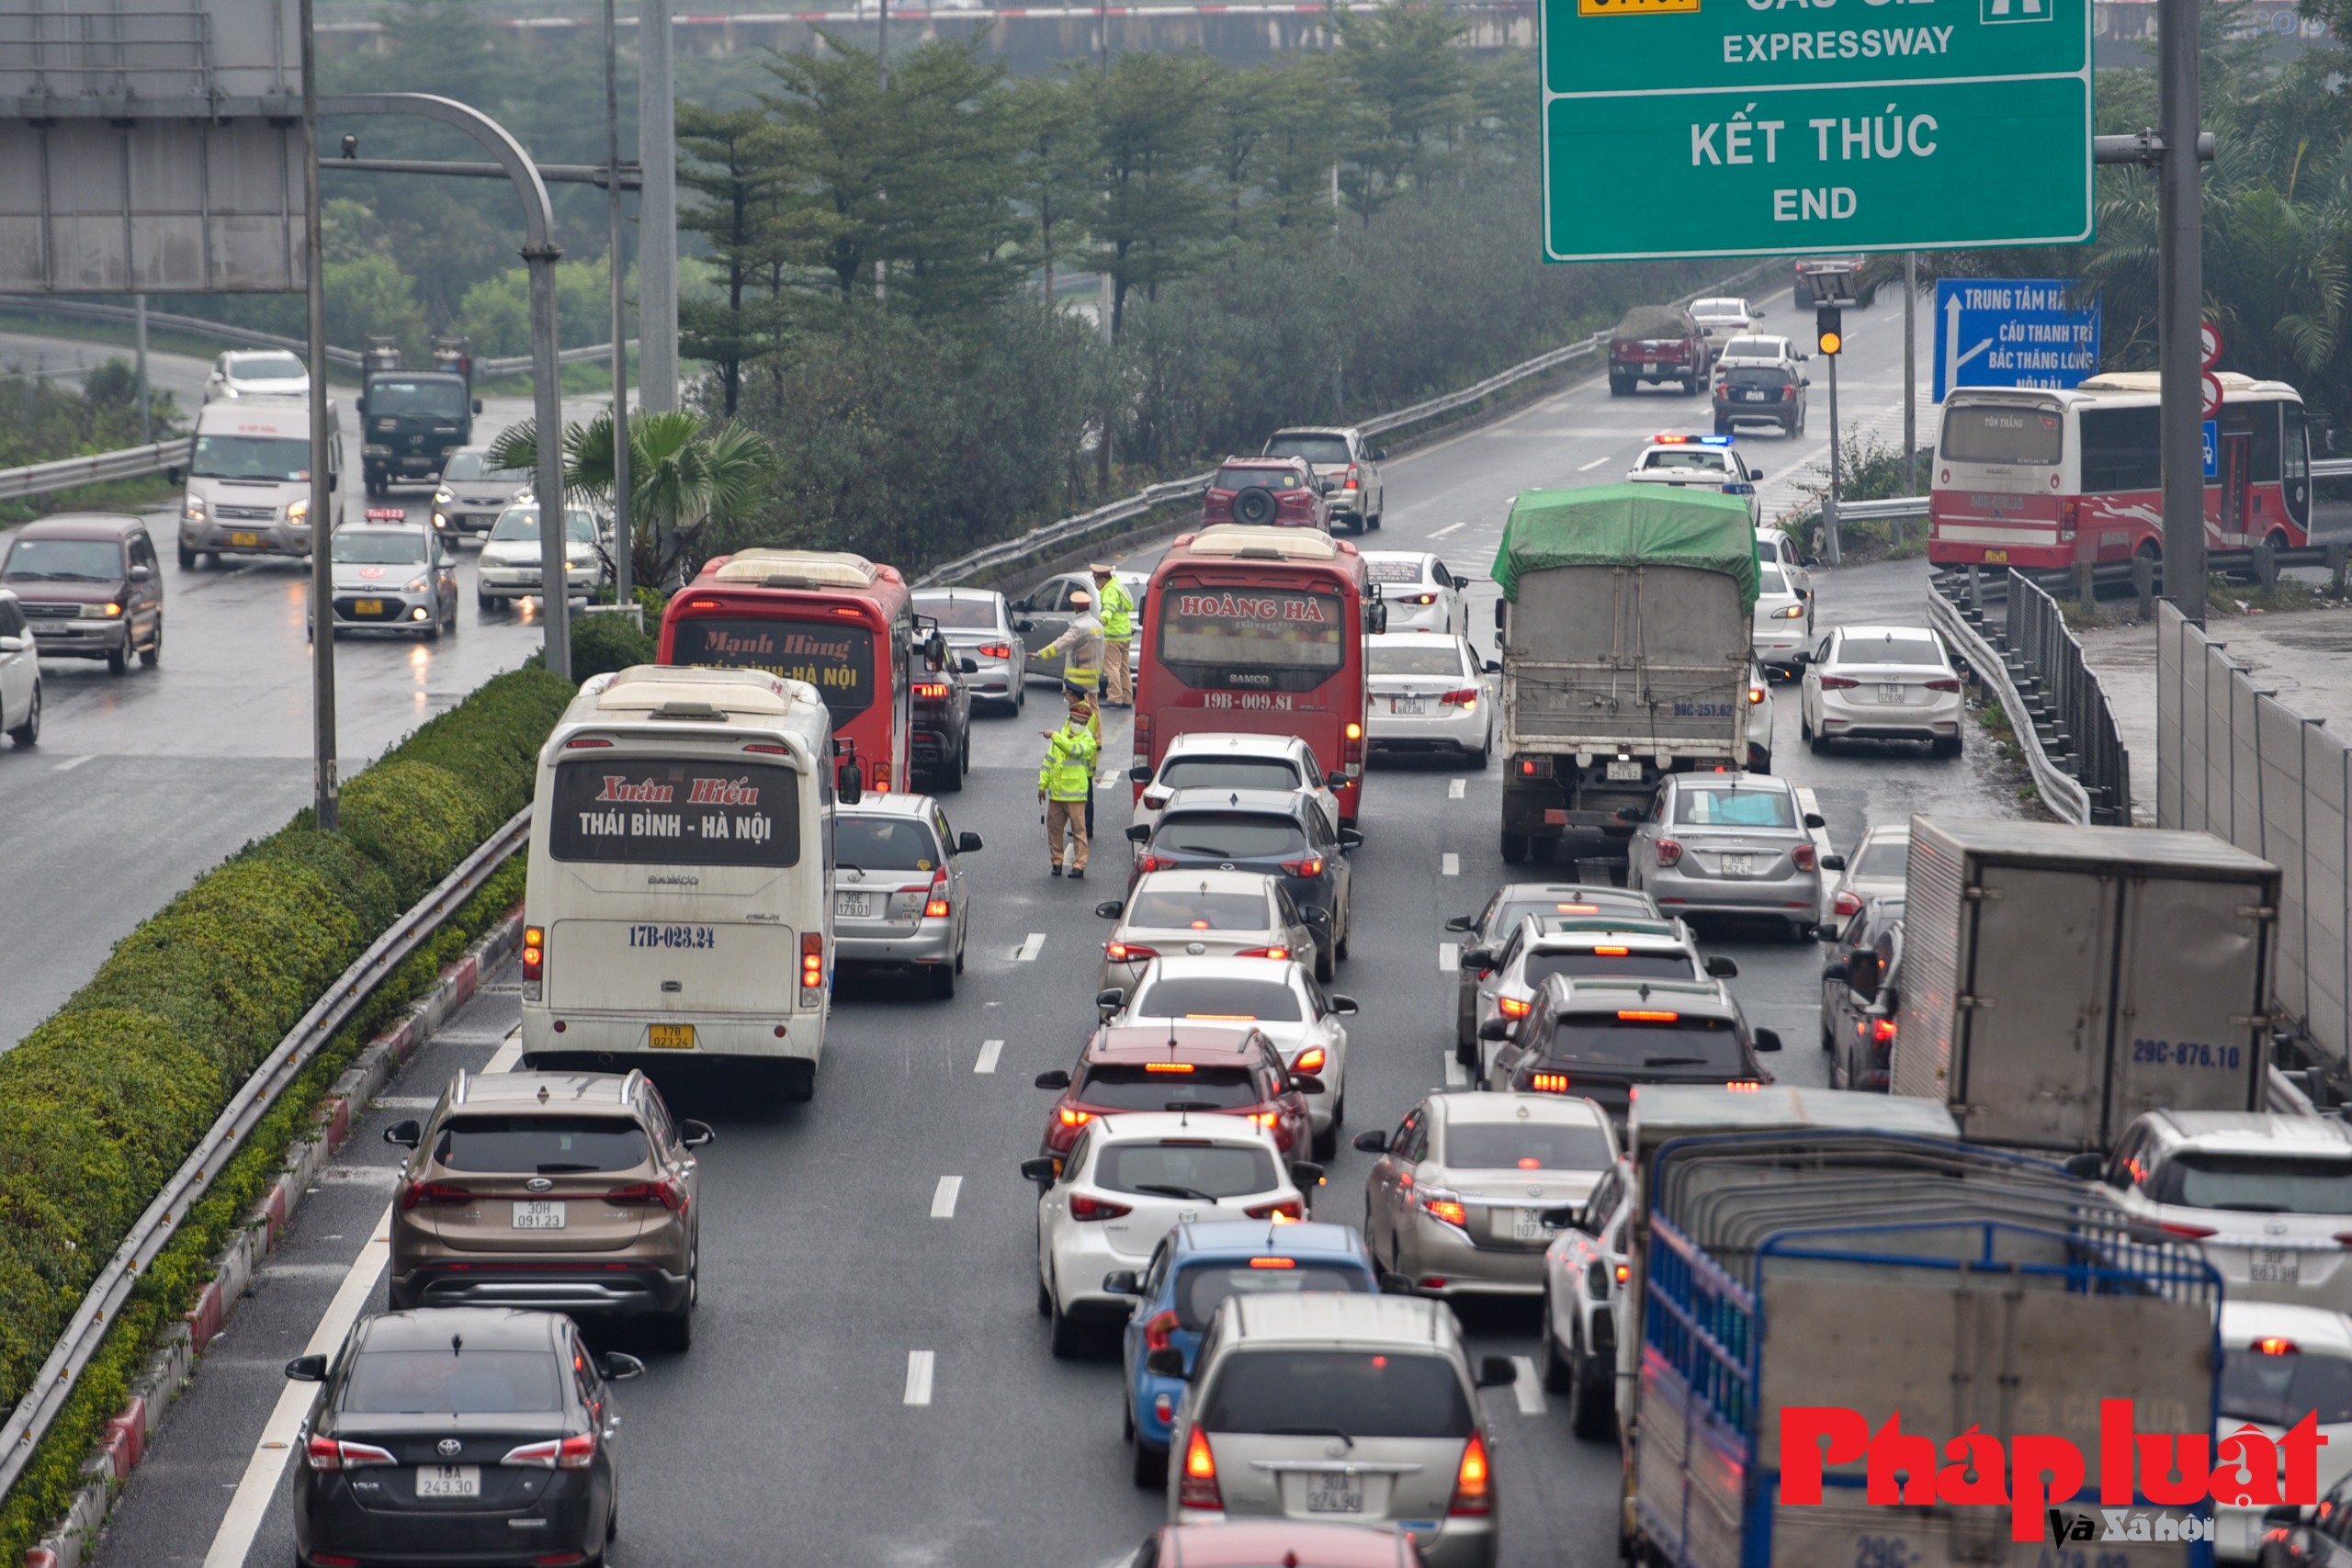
(1223, 759)
(19, 674)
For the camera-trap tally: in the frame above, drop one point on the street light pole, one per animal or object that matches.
(327, 792)
(624, 535)
(2180, 294)
(146, 425)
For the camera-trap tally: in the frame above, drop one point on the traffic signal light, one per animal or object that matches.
(1827, 323)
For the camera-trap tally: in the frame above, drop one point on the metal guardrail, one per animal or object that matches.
(1068, 530)
(40, 479)
(25, 1425)
(1901, 509)
(1961, 622)
(2081, 727)
(2332, 468)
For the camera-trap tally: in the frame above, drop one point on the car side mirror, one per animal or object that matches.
(1141, 833)
(1111, 997)
(12, 645)
(1396, 1285)
(1833, 863)
(1800, 659)
(1499, 614)
(1721, 968)
(1057, 1079)
(1633, 814)
(1459, 923)
(1350, 840)
(1315, 917)
(1497, 1029)
(1805, 381)
(174, 476)
(140, 573)
(619, 1366)
(1165, 1363)
(1025, 625)
(1862, 976)
(1767, 1039)
(332, 477)
(1039, 1170)
(307, 1369)
(1018, 604)
(1373, 1143)
(1755, 473)
(1344, 1005)
(969, 843)
(1497, 1371)
(1111, 908)
(1491, 667)
(1335, 778)
(361, 403)
(1839, 973)
(407, 1134)
(1140, 773)
(1307, 1083)
(1814, 819)
(849, 784)
(695, 1135)
(1379, 453)
(1123, 1282)
(1822, 932)
(2086, 1166)
(1558, 1219)
(1479, 958)
(1305, 1173)
(1808, 562)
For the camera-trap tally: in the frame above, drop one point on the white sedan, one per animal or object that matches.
(511, 560)
(1878, 868)
(1127, 1182)
(1422, 594)
(1783, 621)
(1428, 692)
(1881, 683)
(1278, 997)
(2280, 1364)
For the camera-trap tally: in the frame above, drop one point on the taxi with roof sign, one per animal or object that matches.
(1699, 462)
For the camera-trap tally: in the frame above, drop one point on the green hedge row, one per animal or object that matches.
(100, 1104)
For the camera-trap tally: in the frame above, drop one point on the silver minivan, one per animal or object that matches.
(249, 479)
(900, 894)
(1363, 1409)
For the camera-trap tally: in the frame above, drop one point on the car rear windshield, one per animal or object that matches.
(1201, 1287)
(1326, 450)
(1542, 967)
(2278, 1391)
(1167, 1085)
(1635, 906)
(359, 548)
(2259, 1184)
(1229, 835)
(964, 615)
(477, 466)
(1754, 348)
(1352, 1393)
(427, 397)
(1267, 479)
(1397, 570)
(1766, 549)
(1438, 658)
(543, 1145)
(1882, 857)
(1525, 1146)
(1699, 459)
(884, 843)
(1980, 433)
(1757, 376)
(250, 458)
(1735, 807)
(1769, 581)
(1916, 651)
(1267, 1001)
(266, 367)
(1666, 1040)
(644, 811)
(1170, 909)
(466, 1382)
(1210, 1170)
(523, 523)
(1228, 772)
(63, 560)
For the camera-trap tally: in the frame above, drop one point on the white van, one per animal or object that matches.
(249, 479)
(680, 901)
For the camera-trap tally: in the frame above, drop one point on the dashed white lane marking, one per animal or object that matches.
(1028, 953)
(1449, 957)
(919, 1364)
(942, 1197)
(1450, 527)
(1527, 1388)
(1456, 788)
(1449, 865)
(358, 1176)
(1454, 1076)
(990, 1051)
(502, 1060)
(71, 763)
(1594, 463)
(404, 1103)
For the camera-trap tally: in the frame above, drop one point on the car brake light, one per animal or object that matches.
(1263, 953)
(1513, 1008)
(1168, 1067)
(1352, 484)
(1845, 904)
(1883, 1030)
(1945, 683)
(1838, 684)
(1274, 1263)
(1154, 862)
(1803, 855)
(575, 1452)
(1266, 1119)
(1284, 1212)
(1143, 738)
(1197, 1488)
(535, 951)
(936, 908)
(1613, 951)
(1473, 1491)
(2275, 1345)
(1129, 952)
(995, 650)
(584, 744)
(1081, 1207)
(881, 778)
(1070, 1118)
(1788, 394)
(1310, 866)
(1647, 1015)
(1309, 1060)
(1624, 1272)
(2192, 1233)
(667, 1192)
(1351, 754)
(2070, 514)
(1668, 853)
(931, 688)
(433, 1194)
(1440, 1204)
(1467, 698)
(1548, 1083)
(1158, 1334)
(1577, 908)
(326, 1453)
(812, 959)
(1755, 693)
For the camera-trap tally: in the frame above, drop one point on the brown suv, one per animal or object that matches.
(1657, 343)
(570, 1192)
(90, 586)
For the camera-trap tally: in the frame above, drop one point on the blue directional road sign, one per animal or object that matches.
(2212, 449)
(2015, 332)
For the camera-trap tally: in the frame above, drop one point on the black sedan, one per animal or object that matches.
(470, 1435)
(939, 731)
(1276, 832)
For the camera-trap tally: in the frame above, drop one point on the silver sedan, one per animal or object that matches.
(1730, 844)
(1195, 914)
(1278, 1000)
(899, 896)
(979, 627)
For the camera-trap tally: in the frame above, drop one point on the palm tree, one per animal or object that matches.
(684, 475)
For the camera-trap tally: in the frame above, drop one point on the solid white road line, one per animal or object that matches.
(1594, 463)
(1527, 1388)
(1455, 1078)
(69, 764)
(918, 1377)
(1450, 527)
(502, 1060)
(1449, 865)
(990, 1051)
(1028, 953)
(1449, 957)
(1454, 788)
(942, 1197)
(251, 1504)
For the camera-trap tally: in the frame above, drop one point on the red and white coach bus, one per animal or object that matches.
(1260, 630)
(2043, 479)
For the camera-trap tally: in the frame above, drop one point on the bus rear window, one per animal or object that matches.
(1990, 432)
(637, 812)
(835, 658)
(1206, 630)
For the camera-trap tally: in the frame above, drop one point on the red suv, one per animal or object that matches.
(1281, 492)
(1658, 342)
(1156, 1068)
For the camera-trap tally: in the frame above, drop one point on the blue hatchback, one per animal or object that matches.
(1195, 1267)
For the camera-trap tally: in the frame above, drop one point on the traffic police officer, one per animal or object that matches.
(1063, 784)
(1118, 627)
(1081, 646)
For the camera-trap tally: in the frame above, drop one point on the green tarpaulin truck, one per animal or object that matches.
(1624, 625)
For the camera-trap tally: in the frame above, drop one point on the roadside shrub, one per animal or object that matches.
(602, 644)
(494, 746)
(415, 821)
(357, 882)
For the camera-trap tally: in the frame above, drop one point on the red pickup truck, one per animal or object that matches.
(1655, 344)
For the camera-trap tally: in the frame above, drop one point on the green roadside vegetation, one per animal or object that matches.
(45, 417)
(101, 1103)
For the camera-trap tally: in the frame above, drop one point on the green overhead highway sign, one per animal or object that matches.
(1693, 128)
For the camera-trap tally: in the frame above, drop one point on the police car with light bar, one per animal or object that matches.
(1700, 462)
